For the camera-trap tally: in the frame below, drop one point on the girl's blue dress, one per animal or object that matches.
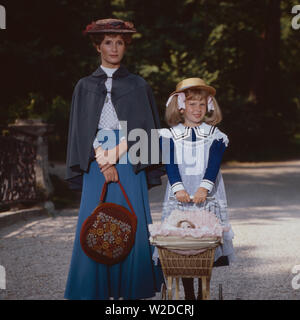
(134, 278)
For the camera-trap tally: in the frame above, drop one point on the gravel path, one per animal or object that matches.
(265, 215)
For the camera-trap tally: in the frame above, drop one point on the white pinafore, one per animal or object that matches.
(192, 159)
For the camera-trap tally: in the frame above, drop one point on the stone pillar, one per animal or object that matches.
(35, 131)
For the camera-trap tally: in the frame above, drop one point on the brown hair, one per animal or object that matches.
(173, 115)
(98, 38)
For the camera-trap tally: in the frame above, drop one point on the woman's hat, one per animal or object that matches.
(109, 26)
(193, 83)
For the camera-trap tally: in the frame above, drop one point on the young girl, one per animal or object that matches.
(192, 150)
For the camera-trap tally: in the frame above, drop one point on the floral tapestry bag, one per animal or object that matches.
(108, 234)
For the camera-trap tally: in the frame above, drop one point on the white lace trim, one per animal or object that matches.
(219, 135)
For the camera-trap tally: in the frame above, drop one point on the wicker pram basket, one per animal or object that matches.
(186, 266)
(175, 265)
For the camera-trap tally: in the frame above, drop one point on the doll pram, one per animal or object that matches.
(176, 265)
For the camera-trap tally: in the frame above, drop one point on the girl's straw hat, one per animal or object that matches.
(193, 83)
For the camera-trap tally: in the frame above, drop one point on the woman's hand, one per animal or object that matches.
(111, 174)
(200, 195)
(104, 157)
(182, 196)
(111, 156)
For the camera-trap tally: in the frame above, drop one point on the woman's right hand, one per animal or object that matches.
(182, 196)
(111, 174)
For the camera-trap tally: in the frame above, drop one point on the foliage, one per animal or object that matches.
(249, 53)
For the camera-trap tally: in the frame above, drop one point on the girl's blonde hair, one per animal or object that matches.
(173, 115)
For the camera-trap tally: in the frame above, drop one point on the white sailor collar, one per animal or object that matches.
(180, 131)
(203, 132)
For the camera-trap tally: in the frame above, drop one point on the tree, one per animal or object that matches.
(249, 53)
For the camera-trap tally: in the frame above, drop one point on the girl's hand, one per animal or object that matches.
(182, 196)
(111, 174)
(200, 195)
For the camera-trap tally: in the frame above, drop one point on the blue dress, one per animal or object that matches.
(134, 278)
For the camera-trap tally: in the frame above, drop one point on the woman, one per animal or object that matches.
(111, 99)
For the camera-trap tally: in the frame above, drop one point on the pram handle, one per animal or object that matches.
(208, 201)
(192, 197)
(209, 204)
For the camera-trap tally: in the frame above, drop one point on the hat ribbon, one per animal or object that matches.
(210, 104)
(180, 100)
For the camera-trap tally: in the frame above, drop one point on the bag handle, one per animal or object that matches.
(104, 189)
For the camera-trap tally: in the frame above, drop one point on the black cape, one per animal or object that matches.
(133, 101)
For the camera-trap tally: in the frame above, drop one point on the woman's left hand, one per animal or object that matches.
(111, 156)
(105, 157)
(200, 195)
